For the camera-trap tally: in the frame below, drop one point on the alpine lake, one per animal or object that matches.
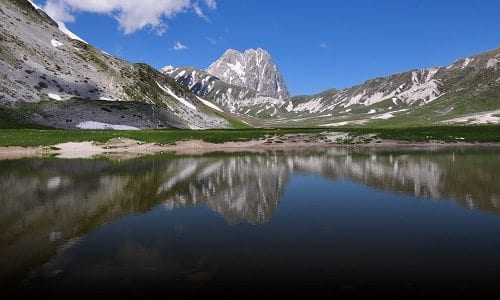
(336, 221)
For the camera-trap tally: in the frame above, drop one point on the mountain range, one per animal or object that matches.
(466, 91)
(51, 77)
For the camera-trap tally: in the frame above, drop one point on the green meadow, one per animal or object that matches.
(45, 137)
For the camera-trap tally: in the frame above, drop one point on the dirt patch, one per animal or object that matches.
(126, 148)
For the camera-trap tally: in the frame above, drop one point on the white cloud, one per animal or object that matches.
(132, 15)
(323, 45)
(212, 40)
(211, 4)
(179, 46)
(199, 12)
(160, 29)
(58, 12)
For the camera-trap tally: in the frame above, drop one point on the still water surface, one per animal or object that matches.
(340, 221)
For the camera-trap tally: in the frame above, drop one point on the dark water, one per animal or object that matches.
(338, 221)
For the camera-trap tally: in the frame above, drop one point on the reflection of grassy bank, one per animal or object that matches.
(38, 137)
(67, 199)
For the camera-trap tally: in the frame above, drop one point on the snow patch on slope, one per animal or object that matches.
(356, 99)
(54, 96)
(377, 97)
(488, 117)
(427, 92)
(55, 43)
(65, 30)
(387, 115)
(181, 100)
(62, 27)
(167, 69)
(384, 116)
(34, 5)
(355, 122)
(237, 68)
(492, 63)
(210, 104)
(467, 61)
(100, 126)
(423, 88)
(431, 73)
(311, 106)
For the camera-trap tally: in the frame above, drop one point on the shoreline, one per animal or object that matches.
(122, 148)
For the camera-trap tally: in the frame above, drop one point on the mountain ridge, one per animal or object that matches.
(50, 77)
(53, 78)
(378, 100)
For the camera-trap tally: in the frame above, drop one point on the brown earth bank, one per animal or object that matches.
(121, 148)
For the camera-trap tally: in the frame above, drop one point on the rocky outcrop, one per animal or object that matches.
(253, 69)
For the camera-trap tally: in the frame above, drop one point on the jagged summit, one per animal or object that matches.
(253, 69)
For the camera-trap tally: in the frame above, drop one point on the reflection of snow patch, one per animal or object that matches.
(99, 125)
(53, 183)
(210, 169)
(182, 175)
(55, 236)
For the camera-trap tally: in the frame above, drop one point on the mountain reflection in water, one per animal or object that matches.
(47, 205)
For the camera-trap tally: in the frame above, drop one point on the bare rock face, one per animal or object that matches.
(253, 69)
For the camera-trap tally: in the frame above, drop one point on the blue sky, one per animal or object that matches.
(317, 44)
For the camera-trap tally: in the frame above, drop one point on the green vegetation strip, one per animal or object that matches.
(46, 137)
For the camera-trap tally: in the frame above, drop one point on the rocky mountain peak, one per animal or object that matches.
(252, 69)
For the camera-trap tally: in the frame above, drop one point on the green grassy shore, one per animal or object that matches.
(45, 137)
